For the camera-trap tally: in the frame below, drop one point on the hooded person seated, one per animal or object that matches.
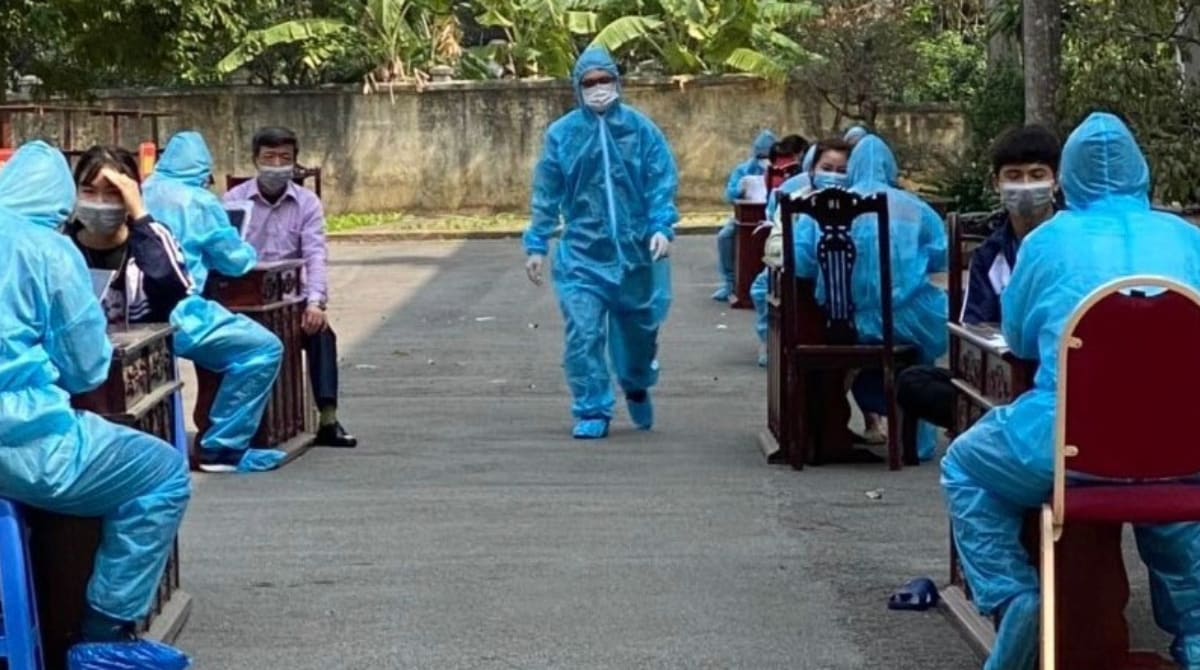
(244, 353)
(756, 165)
(918, 240)
(60, 459)
(1004, 465)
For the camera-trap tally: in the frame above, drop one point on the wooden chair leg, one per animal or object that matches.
(799, 419)
(1049, 608)
(893, 417)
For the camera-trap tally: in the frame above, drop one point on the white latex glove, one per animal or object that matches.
(660, 246)
(533, 268)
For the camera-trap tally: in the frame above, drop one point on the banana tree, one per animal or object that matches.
(713, 36)
(542, 37)
(398, 38)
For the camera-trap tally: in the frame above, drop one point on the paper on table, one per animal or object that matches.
(101, 280)
(754, 189)
(990, 334)
(239, 214)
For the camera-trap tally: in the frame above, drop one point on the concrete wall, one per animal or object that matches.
(471, 146)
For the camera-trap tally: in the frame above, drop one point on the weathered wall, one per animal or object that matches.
(472, 145)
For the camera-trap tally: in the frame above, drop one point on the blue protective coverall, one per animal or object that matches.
(855, 133)
(52, 331)
(244, 352)
(1004, 464)
(612, 181)
(918, 248)
(727, 235)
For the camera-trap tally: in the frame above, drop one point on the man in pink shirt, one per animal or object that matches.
(286, 222)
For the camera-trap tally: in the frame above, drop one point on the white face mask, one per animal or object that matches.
(600, 97)
(764, 163)
(1027, 200)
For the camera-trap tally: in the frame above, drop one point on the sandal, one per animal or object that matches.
(916, 596)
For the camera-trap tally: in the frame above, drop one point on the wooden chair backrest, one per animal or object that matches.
(302, 175)
(835, 210)
(968, 230)
(1126, 366)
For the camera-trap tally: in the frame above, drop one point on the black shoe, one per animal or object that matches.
(334, 435)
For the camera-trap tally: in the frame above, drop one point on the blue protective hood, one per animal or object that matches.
(1101, 161)
(593, 58)
(810, 157)
(36, 184)
(856, 133)
(186, 159)
(872, 165)
(762, 145)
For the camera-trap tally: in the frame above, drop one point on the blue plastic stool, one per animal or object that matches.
(20, 639)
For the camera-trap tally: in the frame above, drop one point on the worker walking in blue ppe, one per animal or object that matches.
(56, 458)
(608, 176)
(756, 165)
(918, 240)
(1004, 465)
(246, 354)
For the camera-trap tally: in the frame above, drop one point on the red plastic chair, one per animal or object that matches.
(1127, 363)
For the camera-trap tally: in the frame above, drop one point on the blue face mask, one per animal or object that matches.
(822, 180)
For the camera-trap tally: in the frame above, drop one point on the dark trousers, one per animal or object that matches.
(928, 393)
(321, 350)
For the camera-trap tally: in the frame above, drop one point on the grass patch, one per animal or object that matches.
(386, 222)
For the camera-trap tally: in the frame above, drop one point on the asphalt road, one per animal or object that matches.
(469, 531)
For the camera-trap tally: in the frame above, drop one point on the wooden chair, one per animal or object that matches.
(777, 173)
(1127, 362)
(302, 174)
(834, 346)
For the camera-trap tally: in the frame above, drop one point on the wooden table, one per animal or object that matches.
(1092, 631)
(138, 393)
(271, 295)
(749, 249)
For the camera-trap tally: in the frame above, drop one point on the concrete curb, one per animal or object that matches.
(425, 235)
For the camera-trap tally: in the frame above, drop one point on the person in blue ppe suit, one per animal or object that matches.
(855, 135)
(1004, 465)
(52, 456)
(918, 249)
(246, 354)
(756, 165)
(607, 172)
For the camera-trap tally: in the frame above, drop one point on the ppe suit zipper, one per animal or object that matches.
(608, 190)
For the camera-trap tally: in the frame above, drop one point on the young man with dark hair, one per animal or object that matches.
(287, 221)
(1024, 164)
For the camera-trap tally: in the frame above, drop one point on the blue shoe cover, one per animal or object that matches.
(642, 413)
(140, 655)
(591, 429)
(722, 294)
(1186, 651)
(1019, 638)
(261, 460)
(763, 360)
(916, 596)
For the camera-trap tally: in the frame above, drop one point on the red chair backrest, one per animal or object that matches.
(1127, 384)
(780, 171)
